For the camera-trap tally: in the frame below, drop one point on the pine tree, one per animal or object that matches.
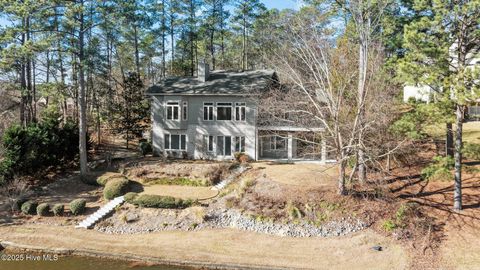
(245, 14)
(440, 48)
(133, 110)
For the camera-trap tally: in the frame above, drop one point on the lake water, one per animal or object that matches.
(73, 263)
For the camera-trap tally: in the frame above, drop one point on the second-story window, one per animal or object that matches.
(240, 111)
(224, 111)
(208, 111)
(185, 111)
(173, 110)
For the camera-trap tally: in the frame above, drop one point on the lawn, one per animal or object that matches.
(183, 192)
(306, 175)
(471, 132)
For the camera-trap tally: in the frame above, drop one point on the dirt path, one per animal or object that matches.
(226, 246)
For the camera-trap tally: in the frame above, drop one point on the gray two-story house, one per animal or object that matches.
(214, 116)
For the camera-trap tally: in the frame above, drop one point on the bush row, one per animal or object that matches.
(157, 201)
(31, 207)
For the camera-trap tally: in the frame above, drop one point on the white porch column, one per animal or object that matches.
(290, 146)
(324, 151)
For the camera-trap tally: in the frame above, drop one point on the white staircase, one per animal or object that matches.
(100, 213)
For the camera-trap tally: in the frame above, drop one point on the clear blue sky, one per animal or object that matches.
(281, 4)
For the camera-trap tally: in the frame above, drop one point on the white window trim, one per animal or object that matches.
(185, 107)
(240, 105)
(212, 106)
(180, 142)
(232, 145)
(207, 143)
(179, 109)
(244, 144)
(232, 116)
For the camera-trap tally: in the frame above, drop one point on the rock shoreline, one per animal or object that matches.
(234, 219)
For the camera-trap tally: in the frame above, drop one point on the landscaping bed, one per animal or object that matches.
(179, 173)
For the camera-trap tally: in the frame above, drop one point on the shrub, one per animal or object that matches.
(145, 147)
(29, 207)
(77, 206)
(157, 201)
(389, 225)
(471, 151)
(292, 211)
(241, 157)
(439, 169)
(58, 209)
(106, 177)
(17, 204)
(130, 197)
(39, 145)
(43, 209)
(115, 188)
(179, 181)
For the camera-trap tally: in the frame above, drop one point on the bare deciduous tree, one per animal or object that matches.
(320, 88)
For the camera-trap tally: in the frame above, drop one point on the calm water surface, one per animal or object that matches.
(73, 263)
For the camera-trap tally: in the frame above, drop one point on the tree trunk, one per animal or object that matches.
(23, 84)
(164, 26)
(212, 48)
(172, 43)
(137, 54)
(457, 195)
(449, 148)
(341, 176)
(362, 75)
(81, 100)
(244, 58)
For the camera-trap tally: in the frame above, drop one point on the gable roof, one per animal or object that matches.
(218, 83)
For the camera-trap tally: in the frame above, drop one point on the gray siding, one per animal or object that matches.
(195, 127)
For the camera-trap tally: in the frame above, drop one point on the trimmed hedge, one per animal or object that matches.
(43, 209)
(29, 207)
(157, 201)
(130, 197)
(58, 209)
(77, 206)
(17, 204)
(115, 188)
(103, 179)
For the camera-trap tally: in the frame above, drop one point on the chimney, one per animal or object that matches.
(203, 71)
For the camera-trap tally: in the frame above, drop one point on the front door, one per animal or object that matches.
(224, 146)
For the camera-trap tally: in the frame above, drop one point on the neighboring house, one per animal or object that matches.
(215, 115)
(426, 94)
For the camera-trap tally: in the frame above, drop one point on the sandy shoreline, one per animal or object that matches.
(213, 249)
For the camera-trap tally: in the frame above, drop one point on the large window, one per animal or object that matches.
(224, 145)
(278, 143)
(175, 142)
(224, 111)
(173, 110)
(209, 143)
(240, 144)
(240, 110)
(208, 111)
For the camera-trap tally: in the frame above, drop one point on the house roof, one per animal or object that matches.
(218, 83)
